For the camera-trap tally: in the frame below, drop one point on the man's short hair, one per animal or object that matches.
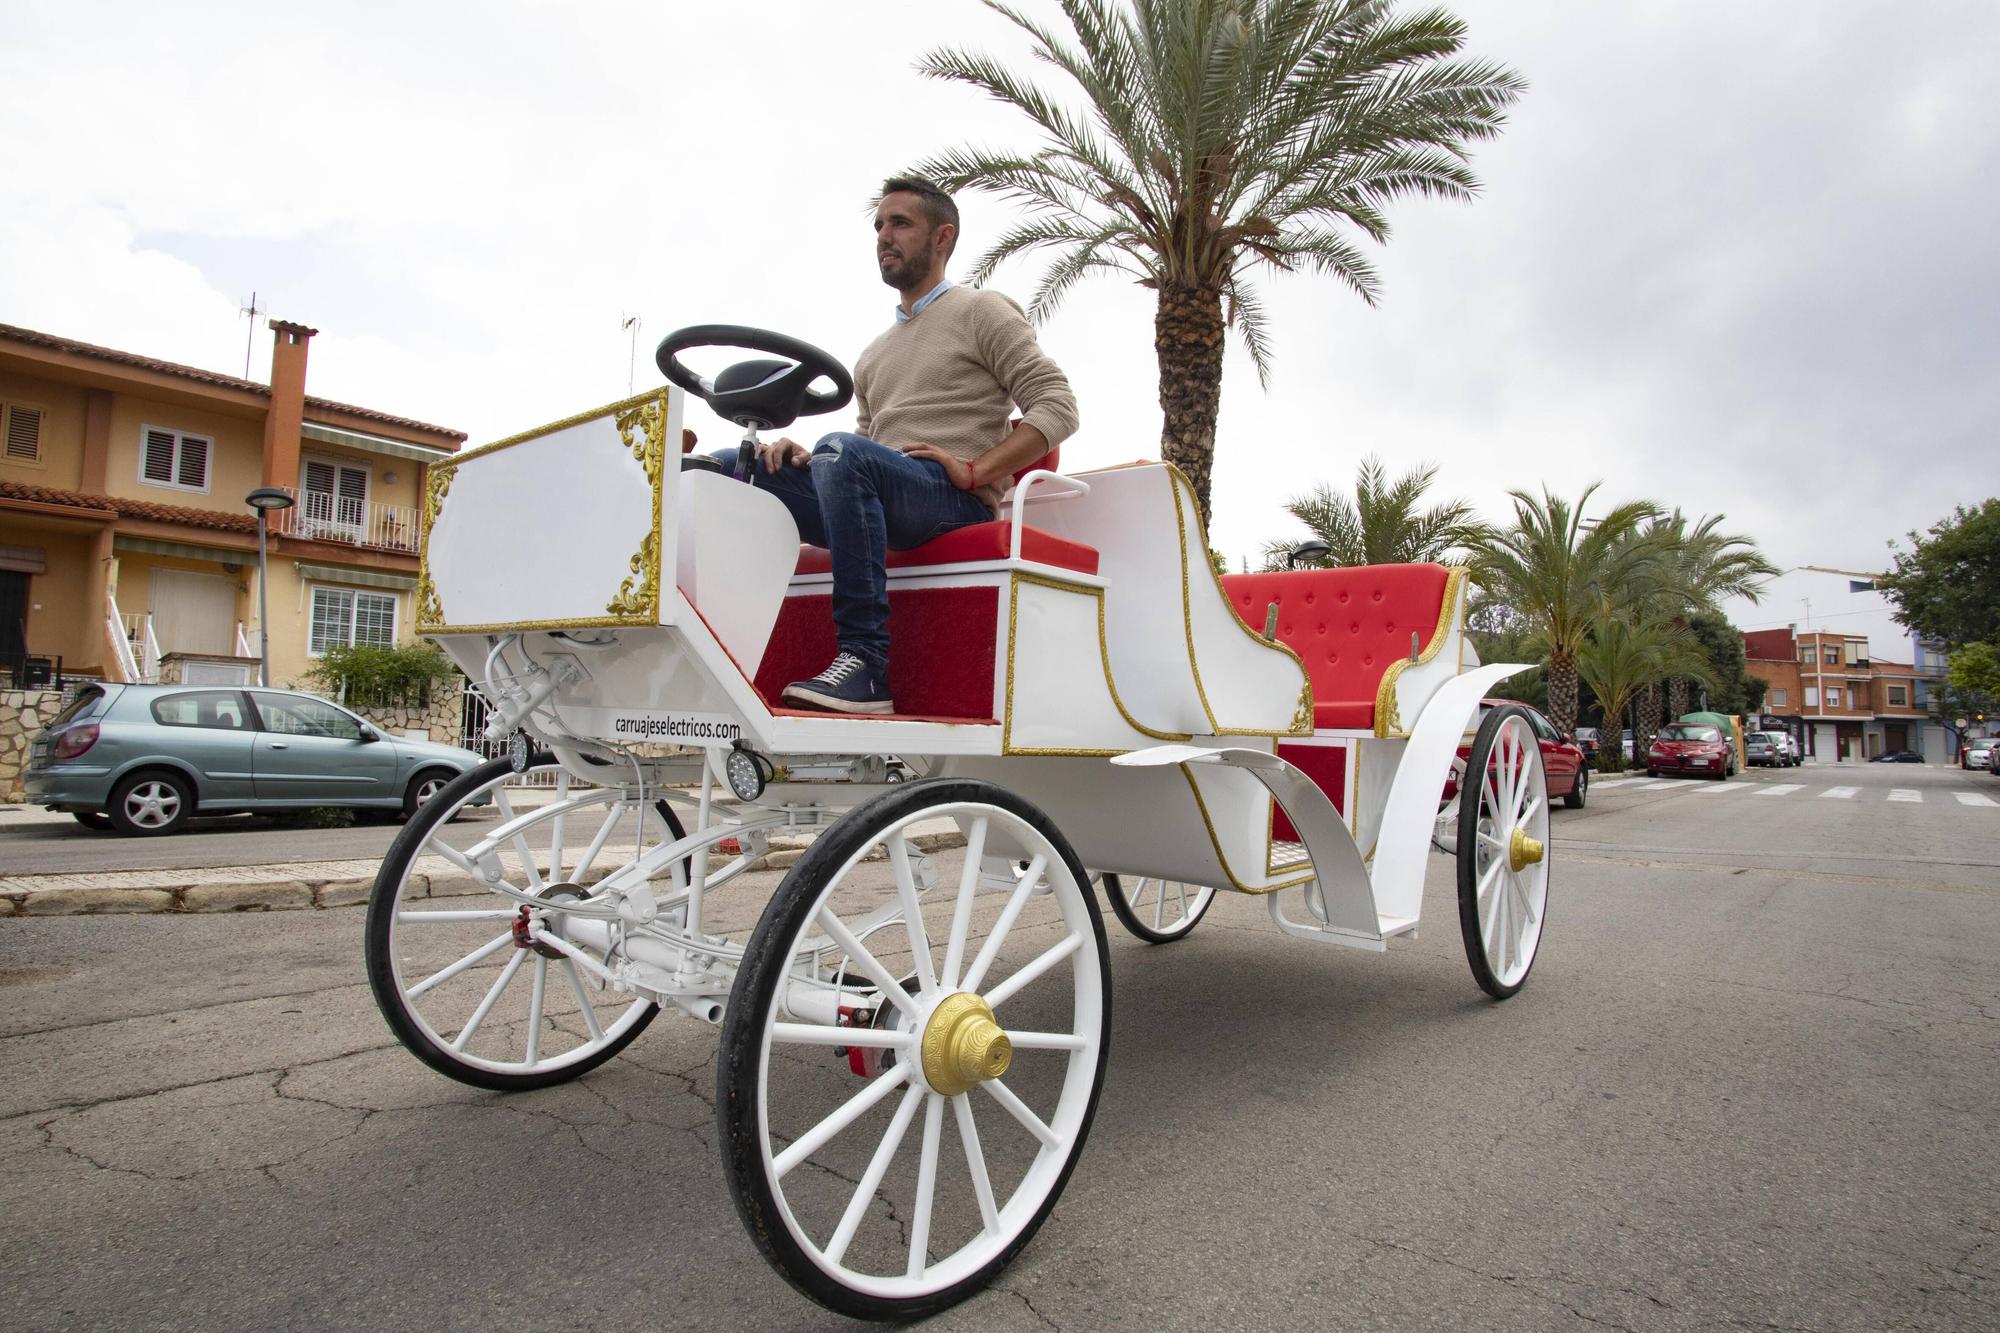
(937, 205)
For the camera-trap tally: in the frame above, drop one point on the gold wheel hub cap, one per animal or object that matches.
(964, 1045)
(1522, 851)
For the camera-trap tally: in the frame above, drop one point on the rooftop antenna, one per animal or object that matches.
(250, 338)
(631, 324)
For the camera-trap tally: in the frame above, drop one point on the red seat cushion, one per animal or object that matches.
(1347, 625)
(980, 541)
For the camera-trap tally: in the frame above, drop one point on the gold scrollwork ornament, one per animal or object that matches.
(638, 596)
(650, 418)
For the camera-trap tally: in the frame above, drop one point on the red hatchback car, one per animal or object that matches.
(1694, 748)
(1563, 766)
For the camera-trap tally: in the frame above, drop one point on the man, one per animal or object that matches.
(934, 394)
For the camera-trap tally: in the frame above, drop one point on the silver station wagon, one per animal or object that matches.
(142, 759)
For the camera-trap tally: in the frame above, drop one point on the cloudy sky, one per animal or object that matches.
(1731, 256)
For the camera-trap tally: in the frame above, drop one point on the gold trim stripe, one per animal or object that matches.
(1175, 480)
(1222, 858)
(1007, 747)
(1388, 719)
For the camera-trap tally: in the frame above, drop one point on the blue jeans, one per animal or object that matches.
(860, 500)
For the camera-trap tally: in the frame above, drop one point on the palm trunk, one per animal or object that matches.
(1647, 724)
(1562, 692)
(1677, 696)
(1188, 338)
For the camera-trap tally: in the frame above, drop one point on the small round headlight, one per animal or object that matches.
(518, 751)
(746, 774)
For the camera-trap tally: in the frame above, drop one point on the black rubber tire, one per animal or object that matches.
(1468, 834)
(1579, 791)
(413, 794)
(738, 1090)
(94, 820)
(381, 976)
(1114, 893)
(115, 809)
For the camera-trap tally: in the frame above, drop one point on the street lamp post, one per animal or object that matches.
(263, 500)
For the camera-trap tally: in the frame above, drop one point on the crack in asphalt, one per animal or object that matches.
(72, 1108)
(1022, 1297)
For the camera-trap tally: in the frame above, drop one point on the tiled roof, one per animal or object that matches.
(217, 520)
(52, 343)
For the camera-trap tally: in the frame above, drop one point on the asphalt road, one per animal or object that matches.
(34, 842)
(1752, 1083)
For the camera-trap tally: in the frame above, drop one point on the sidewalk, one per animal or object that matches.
(300, 885)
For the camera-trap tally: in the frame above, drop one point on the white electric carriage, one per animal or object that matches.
(913, 1024)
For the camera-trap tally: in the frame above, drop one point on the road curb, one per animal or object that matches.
(288, 888)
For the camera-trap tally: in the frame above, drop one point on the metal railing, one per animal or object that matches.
(121, 644)
(324, 516)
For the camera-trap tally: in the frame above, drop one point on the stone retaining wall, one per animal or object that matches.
(22, 714)
(440, 721)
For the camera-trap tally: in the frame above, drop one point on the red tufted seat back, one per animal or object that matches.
(1347, 625)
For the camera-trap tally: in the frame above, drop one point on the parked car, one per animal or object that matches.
(1898, 757)
(1699, 749)
(1978, 752)
(1770, 749)
(1564, 771)
(1587, 737)
(1793, 754)
(142, 759)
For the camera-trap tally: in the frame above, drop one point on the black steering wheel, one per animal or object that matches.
(757, 395)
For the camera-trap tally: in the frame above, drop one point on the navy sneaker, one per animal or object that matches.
(848, 685)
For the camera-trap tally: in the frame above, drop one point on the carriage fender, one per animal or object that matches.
(1412, 808)
(1337, 863)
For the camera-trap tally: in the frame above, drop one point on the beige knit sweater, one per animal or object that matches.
(951, 375)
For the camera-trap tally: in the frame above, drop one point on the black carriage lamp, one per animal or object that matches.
(265, 499)
(747, 771)
(1312, 549)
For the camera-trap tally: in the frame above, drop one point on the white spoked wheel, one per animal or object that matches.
(458, 976)
(913, 1050)
(1503, 851)
(1158, 911)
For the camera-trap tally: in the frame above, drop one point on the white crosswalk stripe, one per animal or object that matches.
(1898, 795)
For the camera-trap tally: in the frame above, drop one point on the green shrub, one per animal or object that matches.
(369, 677)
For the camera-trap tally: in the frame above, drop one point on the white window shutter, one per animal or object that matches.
(24, 433)
(319, 477)
(354, 484)
(193, 467)
(160, 456)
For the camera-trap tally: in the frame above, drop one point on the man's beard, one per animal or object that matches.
(906, 272)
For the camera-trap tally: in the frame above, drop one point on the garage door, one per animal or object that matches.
(194, 613)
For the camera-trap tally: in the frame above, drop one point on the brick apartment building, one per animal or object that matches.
(125, 539)
(1843, 704)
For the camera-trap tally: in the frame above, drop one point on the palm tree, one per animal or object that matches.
(1630, 650)
(1383, 524)
(1703, 566)
(1218, 137)
(1564, 574)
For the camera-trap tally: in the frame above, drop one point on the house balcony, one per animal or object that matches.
(319, 516)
